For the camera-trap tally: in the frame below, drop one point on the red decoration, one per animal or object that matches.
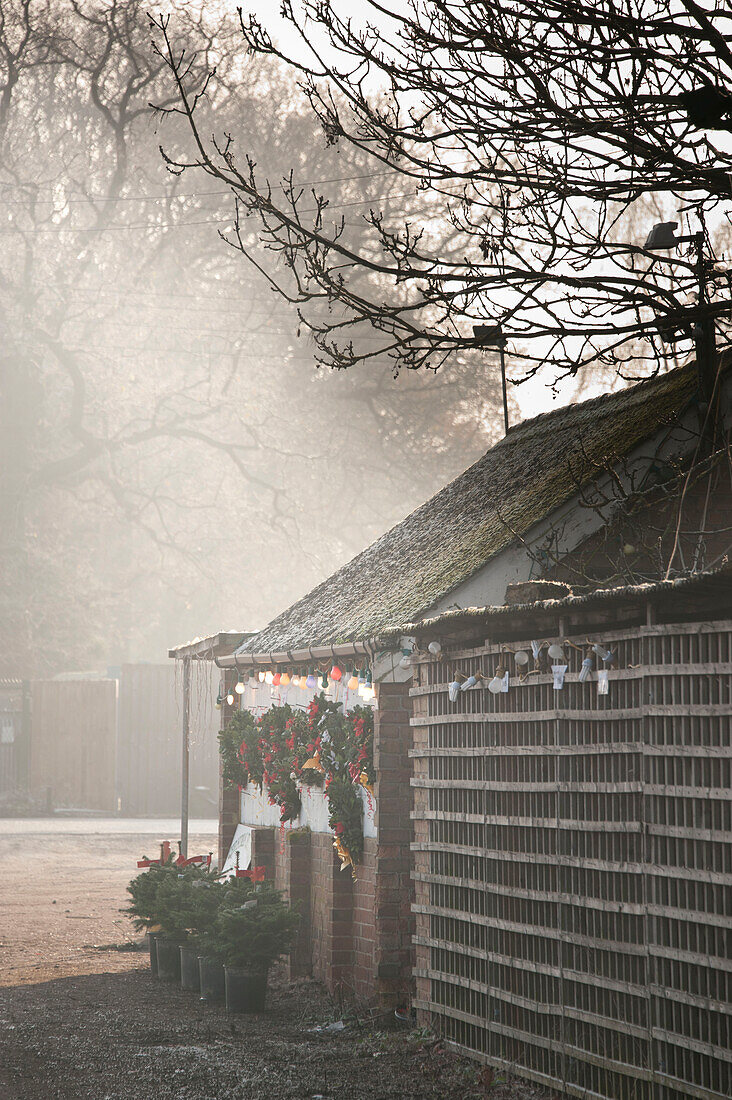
(256, 874)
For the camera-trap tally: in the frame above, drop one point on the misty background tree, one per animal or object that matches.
(548, 134)
(172, 460)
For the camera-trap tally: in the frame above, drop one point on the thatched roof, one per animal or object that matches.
(517, 483)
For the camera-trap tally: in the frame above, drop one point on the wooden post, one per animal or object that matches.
(185, 758)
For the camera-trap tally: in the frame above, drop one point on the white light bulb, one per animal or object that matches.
(585, 670)
(469, 683)
(230, 699)
(556, 652)
(239, 689)
(434, 648)
(268, 676)
(521, 657)
(453, 691)
(494, 685)
(260, 677)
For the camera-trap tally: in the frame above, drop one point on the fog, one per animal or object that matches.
(173, 460)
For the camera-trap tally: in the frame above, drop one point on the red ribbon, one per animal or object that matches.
(179, 862)
(256, 874)
(205, 860)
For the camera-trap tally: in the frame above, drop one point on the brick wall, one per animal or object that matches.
(364, 922)
(393, 955)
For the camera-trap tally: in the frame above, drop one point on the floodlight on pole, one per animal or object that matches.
(663, 237)
(489, 336)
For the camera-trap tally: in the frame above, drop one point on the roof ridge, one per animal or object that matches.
(605, 399)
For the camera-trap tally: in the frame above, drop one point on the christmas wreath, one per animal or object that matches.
(285, 748)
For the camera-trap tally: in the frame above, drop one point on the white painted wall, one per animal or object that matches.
(254, 809)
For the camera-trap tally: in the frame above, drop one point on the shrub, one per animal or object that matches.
(143, 890)
(254, 931)
(179, 901)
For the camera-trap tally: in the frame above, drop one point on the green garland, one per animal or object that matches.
(285, 748)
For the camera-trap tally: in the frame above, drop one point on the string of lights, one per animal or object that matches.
(308, 679)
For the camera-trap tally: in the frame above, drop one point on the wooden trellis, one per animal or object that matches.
(573, 866)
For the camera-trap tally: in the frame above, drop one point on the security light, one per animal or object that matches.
(662, 235)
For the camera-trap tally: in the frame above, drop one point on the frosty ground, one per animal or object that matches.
(81, 1018)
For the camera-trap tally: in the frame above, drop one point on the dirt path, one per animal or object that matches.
(82, 1020)
(63, 886)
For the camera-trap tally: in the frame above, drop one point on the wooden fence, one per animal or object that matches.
(149, 740)
(13, 742)
(573, 866)
(72, 743)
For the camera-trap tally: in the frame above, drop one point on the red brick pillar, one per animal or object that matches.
(263, 849)
(393, 951)
(292, 878)
(298, 892)
(228, 794)
(331, 916)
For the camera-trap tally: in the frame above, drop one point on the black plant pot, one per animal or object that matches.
(211, 972)
(189, 973)
(152, 944)
(245, 991)
(168, 959)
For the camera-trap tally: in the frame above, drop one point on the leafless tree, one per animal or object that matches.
(537, 128)
(170, 459)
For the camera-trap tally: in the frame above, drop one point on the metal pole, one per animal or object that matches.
(185, 757)
(705, 348)
(502, 345)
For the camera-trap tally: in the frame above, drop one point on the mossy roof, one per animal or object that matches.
(517, 483)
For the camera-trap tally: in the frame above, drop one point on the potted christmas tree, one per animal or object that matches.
(248, 937)
(144, 908)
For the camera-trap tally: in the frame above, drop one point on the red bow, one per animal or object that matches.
(256, 874)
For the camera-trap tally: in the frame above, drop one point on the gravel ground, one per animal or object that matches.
(81, 1017)
(126, 1036)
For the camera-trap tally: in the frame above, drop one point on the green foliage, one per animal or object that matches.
(255, 931)
(143, 890)
(234, 742)
(182, 902)
(347, 756)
